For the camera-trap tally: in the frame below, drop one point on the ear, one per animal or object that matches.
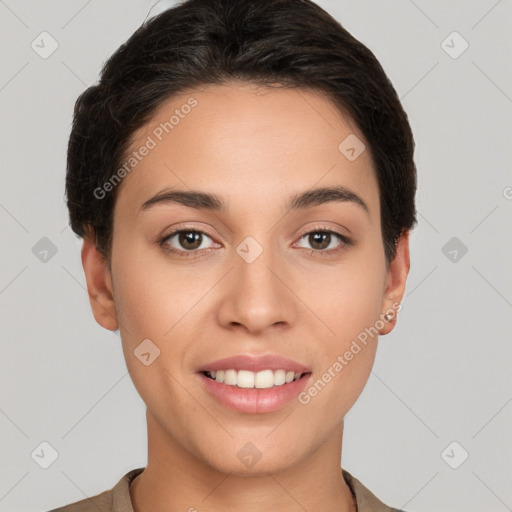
(396, 281)
(99, 285)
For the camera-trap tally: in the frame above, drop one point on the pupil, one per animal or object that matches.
(321, 236)
(190, 237)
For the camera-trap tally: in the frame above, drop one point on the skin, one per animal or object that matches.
(255, 147)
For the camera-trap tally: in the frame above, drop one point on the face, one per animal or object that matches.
(250, 273)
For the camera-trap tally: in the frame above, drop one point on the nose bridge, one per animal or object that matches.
(258, 297)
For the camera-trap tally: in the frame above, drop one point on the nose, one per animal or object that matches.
(258, 294)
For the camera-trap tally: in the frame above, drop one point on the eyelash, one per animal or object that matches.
(345, 242)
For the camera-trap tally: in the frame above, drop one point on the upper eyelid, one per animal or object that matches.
(345, 239)
(186, 228)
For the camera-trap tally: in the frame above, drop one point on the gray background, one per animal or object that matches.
(442, 375)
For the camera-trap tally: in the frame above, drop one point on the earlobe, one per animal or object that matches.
(99, 285)
(395, 287)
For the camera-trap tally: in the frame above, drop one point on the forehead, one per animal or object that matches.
(247, 143)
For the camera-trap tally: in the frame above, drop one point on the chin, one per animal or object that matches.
(253, 458)
(259, 468)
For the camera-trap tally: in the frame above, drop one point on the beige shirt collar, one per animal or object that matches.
(118, 498)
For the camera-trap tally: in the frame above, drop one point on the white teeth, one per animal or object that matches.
(245, 379)
(260, 380)
(264, 379)
(279, 377)
(230, 377)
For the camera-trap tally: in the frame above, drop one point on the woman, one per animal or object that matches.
(243, 180)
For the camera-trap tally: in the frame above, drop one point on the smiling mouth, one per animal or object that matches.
(264, 379)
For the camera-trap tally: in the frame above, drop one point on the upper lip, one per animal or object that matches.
(255, 364)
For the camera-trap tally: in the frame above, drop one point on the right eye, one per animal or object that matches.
(184, 242)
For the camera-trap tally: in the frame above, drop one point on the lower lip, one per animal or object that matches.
(253, 400)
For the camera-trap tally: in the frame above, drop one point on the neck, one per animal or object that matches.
(176, 480)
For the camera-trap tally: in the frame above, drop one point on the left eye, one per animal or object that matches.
(321, 240)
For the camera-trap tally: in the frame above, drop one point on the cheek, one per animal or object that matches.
(156, 302)
(345, 358)
(349, 304)
(152, 304)
(152, 296)
(345, 299)
(334, 390)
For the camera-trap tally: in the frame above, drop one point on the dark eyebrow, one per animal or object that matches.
(320, 196)
(213, 202)
(193, 199)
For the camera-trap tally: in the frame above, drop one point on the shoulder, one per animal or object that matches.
(116, 499)
(365, 499)
(99, 503)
